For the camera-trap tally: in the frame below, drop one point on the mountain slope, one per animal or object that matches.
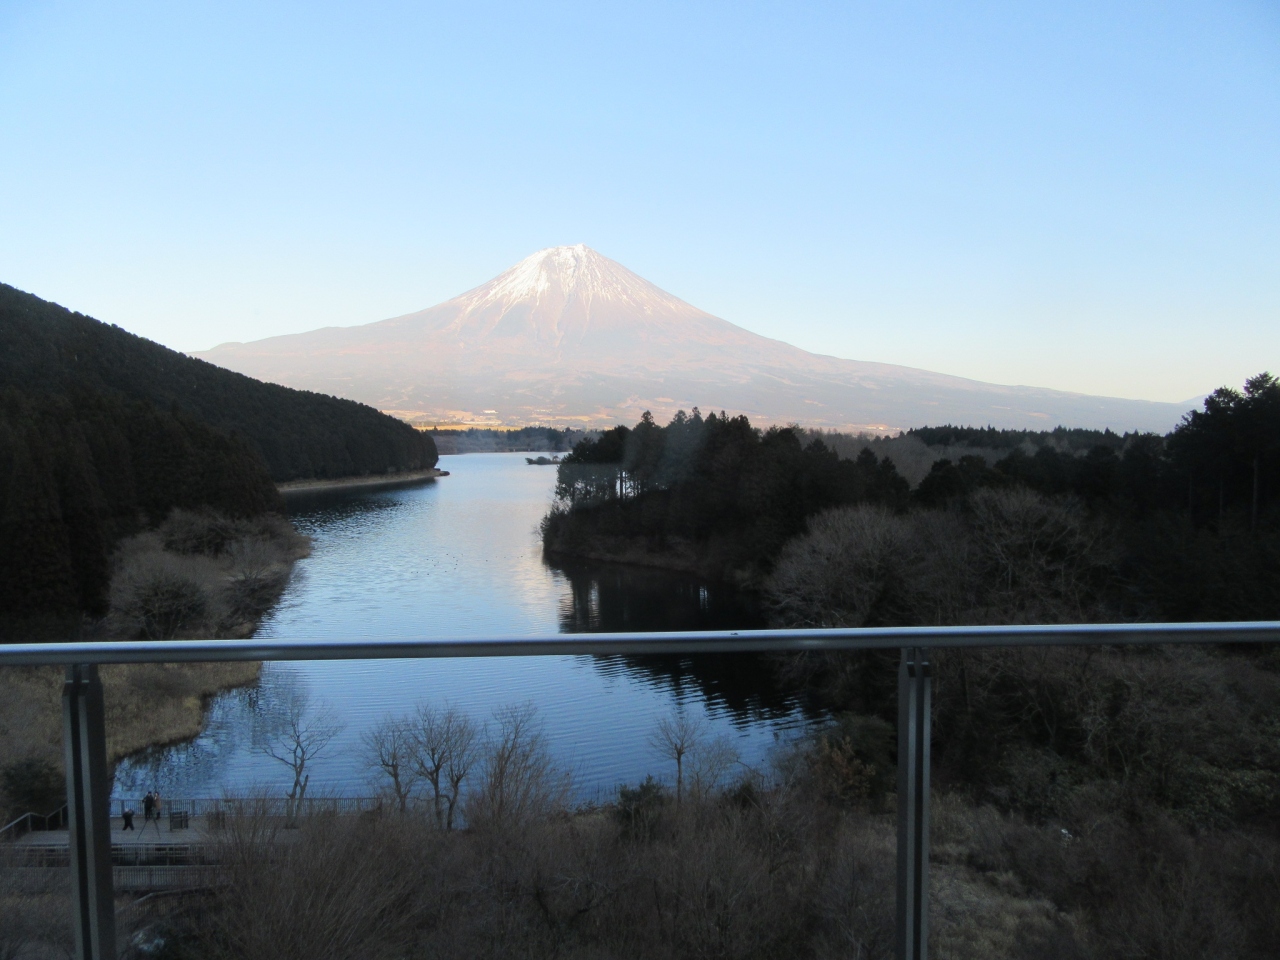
(568, 335)
(46, 349)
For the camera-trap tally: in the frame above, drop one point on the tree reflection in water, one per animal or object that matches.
(614, 598)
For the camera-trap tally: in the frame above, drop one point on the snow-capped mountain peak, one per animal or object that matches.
(559, 276)
(568, 335)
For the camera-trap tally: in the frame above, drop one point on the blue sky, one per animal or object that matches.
(1076, 195)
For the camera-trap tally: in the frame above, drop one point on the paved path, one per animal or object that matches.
(142, 834)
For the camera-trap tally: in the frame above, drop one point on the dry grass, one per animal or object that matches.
(715, 879)
(35, 914)
(198, 575)
(754, 873)
(146, 705)
(201, 575)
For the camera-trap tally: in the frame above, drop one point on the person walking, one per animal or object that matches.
(127, 816)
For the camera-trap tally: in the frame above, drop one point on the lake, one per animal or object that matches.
(461, 556)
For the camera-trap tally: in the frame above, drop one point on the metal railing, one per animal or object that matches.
(233, 806)
(34, 822)
(83, 726)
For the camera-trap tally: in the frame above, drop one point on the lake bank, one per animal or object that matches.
(676, 557)
(147, 706)
(568, 535)
(197, 575)
(365, 483)
(464, 559)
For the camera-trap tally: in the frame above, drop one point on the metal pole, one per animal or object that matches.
(914, 709)
(88, 814)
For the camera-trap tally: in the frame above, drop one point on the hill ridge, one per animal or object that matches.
(46, 348)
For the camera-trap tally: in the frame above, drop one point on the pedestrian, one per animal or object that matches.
(151, 809)
(127, 816)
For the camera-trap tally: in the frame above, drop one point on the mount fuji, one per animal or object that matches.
(568, 336)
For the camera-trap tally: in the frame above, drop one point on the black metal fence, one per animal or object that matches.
(90, 853)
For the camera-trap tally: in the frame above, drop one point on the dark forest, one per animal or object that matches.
(48, 350)
(103, 434)
(1193, 515)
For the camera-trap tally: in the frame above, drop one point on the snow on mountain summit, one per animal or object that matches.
(567, 299)
(566, 274)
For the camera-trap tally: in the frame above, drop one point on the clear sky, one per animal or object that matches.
(1081, 195)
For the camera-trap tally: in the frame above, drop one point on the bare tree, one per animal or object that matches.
(159, 596)
(391, 749)
(304, 733)
(444, 751)
(856, 566)
(676, 736)
(709, 763)
(253, 559)
(521, 780)
(1044, 560)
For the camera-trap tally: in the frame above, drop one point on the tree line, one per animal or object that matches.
(487, 440)
(716, 481)
(1192, 515)
(1222, 460)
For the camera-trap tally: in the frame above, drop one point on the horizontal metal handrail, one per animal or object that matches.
(631, 644)
(89, 850)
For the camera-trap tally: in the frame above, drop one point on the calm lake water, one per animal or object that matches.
(461, 557)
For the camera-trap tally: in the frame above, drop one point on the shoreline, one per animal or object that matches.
(687, 561)
(381, 482)
(148, 706)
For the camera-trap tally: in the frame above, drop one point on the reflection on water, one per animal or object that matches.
(610, 598)
(606, 598)
(461, 557)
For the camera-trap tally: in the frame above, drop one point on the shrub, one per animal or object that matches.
(33, 785)
(639, 808)
(157, 596)
(853, 760)
(201, 531)
(519, 779)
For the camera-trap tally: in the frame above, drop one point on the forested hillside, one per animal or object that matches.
(46, 349)
(1191, 517)
(104, 434)
(79, 471)
(1134, 793)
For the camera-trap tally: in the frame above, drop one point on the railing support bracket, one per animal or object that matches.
(914, 709)
(89, 823)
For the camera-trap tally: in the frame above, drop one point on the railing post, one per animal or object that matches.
(914, 708)
(88, 814)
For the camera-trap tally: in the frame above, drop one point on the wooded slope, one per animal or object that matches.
(45, 348)
(103, 434)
